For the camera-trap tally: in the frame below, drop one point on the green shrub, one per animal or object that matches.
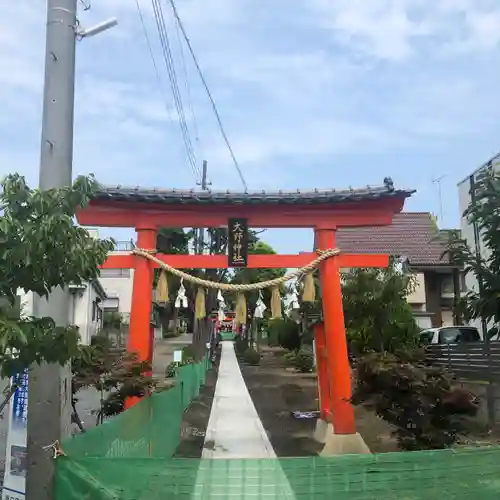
(170, 332)
(289, 358)
(303, 361)
(187, 354)
(284, 332)
(419, 400)
(251, 356)
(240, 345)
(171, 370)
(272, 327)
(187, 359)
(376, 311)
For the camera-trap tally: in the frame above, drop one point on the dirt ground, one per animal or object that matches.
(195, 419)
(277, 391)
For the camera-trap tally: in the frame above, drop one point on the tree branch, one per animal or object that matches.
(8, 392)
(75, 418)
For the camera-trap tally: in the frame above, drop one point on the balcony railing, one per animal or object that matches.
(124, 246)
(447, 291)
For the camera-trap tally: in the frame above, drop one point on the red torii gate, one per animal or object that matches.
(322, 210)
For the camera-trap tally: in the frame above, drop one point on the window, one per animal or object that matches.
(463, 283)
(455, 335)
(469, 335)
(447, 285)
(426, 337)
(115, 273)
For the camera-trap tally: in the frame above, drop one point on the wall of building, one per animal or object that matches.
(418, 297)
(467, 229)
(447, 317)
(87, 312)
(118, 284)
(84, 310)
(433, 298)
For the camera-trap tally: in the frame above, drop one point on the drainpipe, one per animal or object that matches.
(457, 319)
(477, 248)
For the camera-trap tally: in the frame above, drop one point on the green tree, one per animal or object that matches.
(113, 372)
(171, 241)
(377, 314)
(484, 213)
(392, 376)
(41, 249)
(247, 275)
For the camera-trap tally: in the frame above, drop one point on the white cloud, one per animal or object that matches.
(303, 86)
(395, 29)
(484, 28)
(116, 99)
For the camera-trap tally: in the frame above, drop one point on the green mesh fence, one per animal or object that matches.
(129, 458)
(147, 430)
(228, 335)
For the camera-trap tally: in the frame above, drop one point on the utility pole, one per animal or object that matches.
(199, 248)
(49, 386)
(204, 186)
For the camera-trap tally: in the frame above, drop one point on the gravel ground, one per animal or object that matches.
(89, 398)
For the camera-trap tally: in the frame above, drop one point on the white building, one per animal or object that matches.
(469, 232)
(118, 284)
(85, 308)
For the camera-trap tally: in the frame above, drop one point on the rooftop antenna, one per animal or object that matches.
(437, 181)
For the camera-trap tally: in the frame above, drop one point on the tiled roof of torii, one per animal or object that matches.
(194, 197)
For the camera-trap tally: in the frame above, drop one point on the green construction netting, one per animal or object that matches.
(228, 335)
(129, 458)
(149, 429)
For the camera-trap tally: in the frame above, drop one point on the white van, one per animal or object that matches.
(450, 335)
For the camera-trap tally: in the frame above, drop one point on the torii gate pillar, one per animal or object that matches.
(140, 340)
(344, 439)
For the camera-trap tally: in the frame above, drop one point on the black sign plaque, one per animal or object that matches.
(237, 243)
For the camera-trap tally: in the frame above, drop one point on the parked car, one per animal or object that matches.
(450, 335)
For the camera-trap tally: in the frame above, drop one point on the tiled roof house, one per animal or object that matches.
(414, 235)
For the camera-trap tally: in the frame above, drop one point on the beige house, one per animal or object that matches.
(415, 236)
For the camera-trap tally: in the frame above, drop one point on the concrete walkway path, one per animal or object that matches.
(234, 432)
(234, 428)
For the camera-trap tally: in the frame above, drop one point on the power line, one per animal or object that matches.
(186, 84)
(205, 85)
(169, 62)
(196, 172)
(153, 59)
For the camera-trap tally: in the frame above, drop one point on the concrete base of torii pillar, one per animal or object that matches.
(338, 444)
(344, 444)
(321, 431)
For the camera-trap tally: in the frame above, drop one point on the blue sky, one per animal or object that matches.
(327, 93)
